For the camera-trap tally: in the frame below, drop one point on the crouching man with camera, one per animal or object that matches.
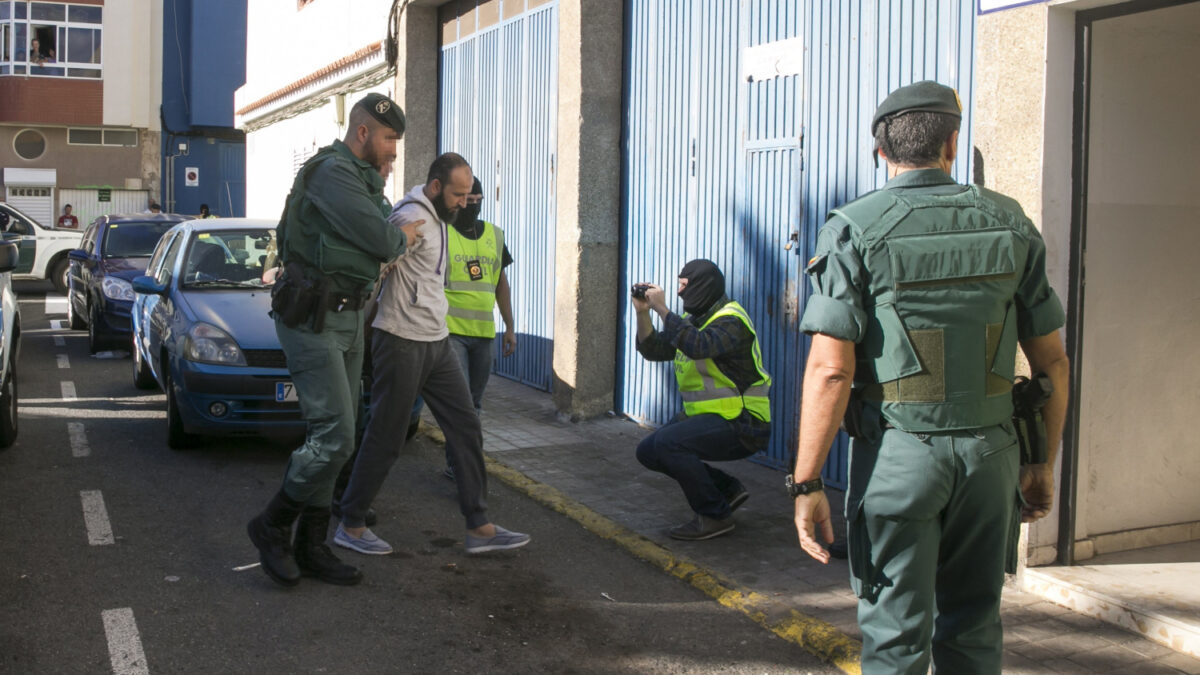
(726, 410)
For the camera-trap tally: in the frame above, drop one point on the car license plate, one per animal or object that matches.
(285, 391)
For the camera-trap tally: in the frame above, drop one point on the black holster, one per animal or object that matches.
(853, 422)
(295, 298)
(1030, 395)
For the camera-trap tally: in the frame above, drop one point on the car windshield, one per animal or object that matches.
(133, 240)
(229, 258)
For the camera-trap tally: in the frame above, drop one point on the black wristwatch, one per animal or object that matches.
(806, 488)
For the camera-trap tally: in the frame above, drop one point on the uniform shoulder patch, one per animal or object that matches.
(816, 264)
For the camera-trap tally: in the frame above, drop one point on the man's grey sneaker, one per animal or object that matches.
(701, 527)
(739, 497)
(503, 540)
(368, 543)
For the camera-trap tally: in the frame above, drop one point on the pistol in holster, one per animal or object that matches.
(1030, 395)
(295, 298)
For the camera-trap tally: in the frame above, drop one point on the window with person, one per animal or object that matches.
(52, 39)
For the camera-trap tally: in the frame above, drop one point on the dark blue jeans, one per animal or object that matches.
(680, 449)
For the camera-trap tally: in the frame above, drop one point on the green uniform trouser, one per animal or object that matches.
(326, 369)
(932, 521)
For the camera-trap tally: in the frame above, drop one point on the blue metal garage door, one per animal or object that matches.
(745, 124)
(499, 110)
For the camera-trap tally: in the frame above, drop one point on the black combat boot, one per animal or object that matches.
(312, 554)
(271, 532)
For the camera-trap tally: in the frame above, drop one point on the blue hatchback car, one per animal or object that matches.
(202, 334)
(114, 250)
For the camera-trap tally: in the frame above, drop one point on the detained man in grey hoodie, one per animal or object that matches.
(411, 355)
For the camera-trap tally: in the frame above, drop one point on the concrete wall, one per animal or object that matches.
(416, 88)
(588, 199)
(77, 165)
(1141, 308)
(132, 64)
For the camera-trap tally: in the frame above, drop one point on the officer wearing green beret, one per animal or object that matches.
(333, 237)
(922, 292)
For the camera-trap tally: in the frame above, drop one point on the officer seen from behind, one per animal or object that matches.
(333, 237)
(922, 292)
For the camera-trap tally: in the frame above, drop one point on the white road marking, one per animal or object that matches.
(59, 341)
(124, 643)
(63, 361)
(79, 444)
(56, 304)
(95, 517)
(68, 391)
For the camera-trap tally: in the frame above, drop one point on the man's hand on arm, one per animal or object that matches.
(826, 391)
(1047, 355)
(412, 233)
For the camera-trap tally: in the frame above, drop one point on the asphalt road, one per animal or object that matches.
(162, 593)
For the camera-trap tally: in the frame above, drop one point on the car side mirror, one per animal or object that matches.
(78, 255)
(9, 256)
(148, 286)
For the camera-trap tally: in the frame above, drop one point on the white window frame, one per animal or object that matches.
(104, 131)
(9, 62)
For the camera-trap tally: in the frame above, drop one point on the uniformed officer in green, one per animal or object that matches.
(333, 237)
(922, 292)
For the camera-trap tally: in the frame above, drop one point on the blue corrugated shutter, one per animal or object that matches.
(731, 170)
(499, 110)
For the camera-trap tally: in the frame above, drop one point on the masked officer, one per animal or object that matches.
(725, 390)
(922, 292)
(333, 237)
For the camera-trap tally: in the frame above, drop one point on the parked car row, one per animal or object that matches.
(188, 300)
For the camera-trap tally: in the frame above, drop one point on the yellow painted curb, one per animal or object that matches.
(813, 635)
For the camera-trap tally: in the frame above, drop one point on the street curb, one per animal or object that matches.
(817, 637)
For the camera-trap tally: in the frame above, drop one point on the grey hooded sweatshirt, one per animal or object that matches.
(412, 300)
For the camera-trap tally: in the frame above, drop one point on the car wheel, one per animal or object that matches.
(177, 438)
(75, 321)
(8, 406)
(94, 341)
(142, 377)
(58, 275)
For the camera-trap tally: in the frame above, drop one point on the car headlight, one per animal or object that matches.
(208, 344)
(117, 289)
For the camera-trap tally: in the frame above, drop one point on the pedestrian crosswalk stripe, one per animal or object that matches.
(79, 444)
(95, 517)
(124, 644)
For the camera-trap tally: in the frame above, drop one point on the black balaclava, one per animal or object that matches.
(468, 214)
(705, 286)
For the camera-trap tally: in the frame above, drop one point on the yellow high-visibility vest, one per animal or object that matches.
(472, 300)
(705, 389)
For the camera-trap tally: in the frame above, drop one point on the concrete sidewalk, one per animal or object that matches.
(588, 471)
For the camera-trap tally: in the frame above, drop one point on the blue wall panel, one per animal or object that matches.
(729, 169)
(499, 110)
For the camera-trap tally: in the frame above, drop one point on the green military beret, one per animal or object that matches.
(926, 96)
(385, 110)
